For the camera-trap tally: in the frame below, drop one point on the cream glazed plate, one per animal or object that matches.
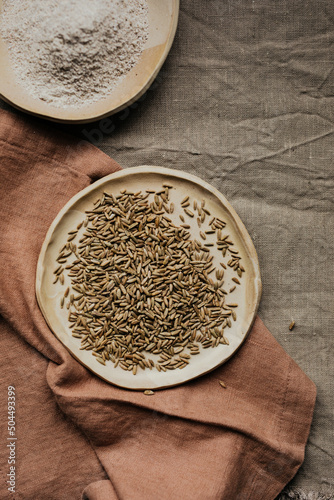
(234, 271)
(162, 21)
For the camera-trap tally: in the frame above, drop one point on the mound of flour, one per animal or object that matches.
(70, 52)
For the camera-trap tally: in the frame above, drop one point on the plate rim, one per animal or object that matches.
(164, 171)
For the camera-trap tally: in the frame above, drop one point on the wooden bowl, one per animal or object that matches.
(246, 295)
(163, 17)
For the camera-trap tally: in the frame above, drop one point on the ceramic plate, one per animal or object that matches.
(246, 294)
(163, 16)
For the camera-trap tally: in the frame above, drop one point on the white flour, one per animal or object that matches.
(70, 52)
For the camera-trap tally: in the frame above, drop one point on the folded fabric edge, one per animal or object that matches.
(296, 418)
(100, 490)
(64, 149)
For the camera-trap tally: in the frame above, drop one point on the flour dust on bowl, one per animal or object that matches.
(77, 60)
(149, 278)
